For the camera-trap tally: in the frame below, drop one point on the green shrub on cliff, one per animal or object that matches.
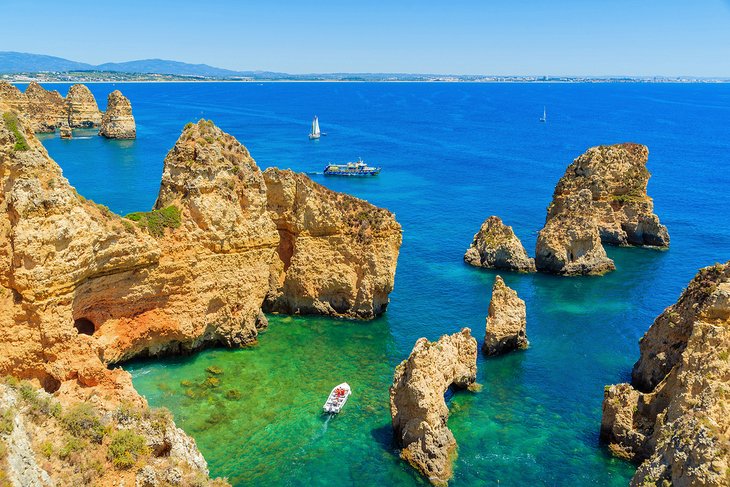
(82, 421)
(125, 448)
(11, 120)
(6, 421)
(156, 221)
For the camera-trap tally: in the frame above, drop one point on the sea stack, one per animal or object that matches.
(118, 122)
(417, 406)
(673, 418)
(506, 321)
(83, 111)
(570, 242)
(496, 246)
(616, 178)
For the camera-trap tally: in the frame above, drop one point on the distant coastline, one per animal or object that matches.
(118, 77)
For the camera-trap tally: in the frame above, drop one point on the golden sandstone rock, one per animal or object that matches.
(496, 246)
(45, 111)
(602, 192)
(117, 121)
(674, 417)
(506, 321)
(417, 406)
(82, 288)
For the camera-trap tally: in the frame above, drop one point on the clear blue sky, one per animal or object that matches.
(591, 37)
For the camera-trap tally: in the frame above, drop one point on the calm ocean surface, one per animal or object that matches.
(452, 154)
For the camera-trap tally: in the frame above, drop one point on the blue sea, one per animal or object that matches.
(452, 154)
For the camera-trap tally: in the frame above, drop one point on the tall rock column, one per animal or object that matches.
(118, 122)
(417, 406)
(83, 111)
(506, 321)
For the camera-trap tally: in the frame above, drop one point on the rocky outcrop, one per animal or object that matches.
(82, 109)
(198, 269)
(506, 321)
(82, 288)
(46, 443)
(117, 121)
(615, 178)
(496, 246)
(45, 111)
(417, 406)
(335, 252)
(570, 242)
(674, 418)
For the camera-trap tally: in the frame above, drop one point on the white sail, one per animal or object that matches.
(315, 126)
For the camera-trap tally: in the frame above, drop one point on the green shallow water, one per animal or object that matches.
(275, 434)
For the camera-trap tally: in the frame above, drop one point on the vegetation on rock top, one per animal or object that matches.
(11, 120)
(156, 221)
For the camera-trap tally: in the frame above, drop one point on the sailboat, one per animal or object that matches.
(544, 115)
(315, 129)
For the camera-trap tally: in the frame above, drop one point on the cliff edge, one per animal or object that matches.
(674, 417)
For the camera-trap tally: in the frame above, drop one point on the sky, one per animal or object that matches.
(502, 37)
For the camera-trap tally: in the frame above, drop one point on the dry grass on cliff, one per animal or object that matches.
(85, 445)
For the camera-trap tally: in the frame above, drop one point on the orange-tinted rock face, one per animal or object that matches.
(46, 109)
(82, 288)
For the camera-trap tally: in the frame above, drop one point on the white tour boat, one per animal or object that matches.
(337, 398)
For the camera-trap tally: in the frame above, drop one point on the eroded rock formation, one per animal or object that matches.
(417, 406)
(82, 288)
(506, 321)
(83, 112)
(674, 418)
(45, 110)
(117, 121)
(496, 246)
(570, 242)
(616, 178)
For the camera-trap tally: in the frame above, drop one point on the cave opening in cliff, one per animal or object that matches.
(84, 326)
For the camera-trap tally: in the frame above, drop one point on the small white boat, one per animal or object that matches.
(544, 115)
(315, 134)
(337, 398)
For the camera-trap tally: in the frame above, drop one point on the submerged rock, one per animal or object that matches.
(570, 242)
(506, 321)
(417, 406)
(117, 121)
(83, 111)
(673, 418)
(496, 246)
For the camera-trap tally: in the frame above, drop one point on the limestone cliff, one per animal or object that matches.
(335, 252)
(82, 288)
(674, 418)
(570, 242)
(82, 109)
(417, 406)
(117, 121)
(46, 109)
(506, 321)
(616, 178)
(496, 246)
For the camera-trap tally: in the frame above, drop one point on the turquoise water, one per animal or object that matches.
(452, 154)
